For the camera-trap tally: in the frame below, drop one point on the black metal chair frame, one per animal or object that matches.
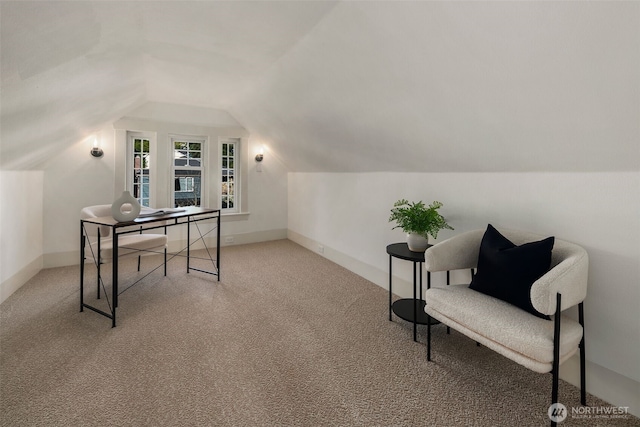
(556, 353)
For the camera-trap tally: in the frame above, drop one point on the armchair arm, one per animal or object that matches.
(568, 277)
(456, 253)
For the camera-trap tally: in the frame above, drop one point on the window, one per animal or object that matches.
(188, 167)
(140, 161)
(228, 194)
(179, 170)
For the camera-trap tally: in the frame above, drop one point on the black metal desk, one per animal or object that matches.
(409, 309)
(190, 215)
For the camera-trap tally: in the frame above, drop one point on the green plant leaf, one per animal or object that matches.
(415, 217)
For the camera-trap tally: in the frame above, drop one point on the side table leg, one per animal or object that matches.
(415, 305)
(421, 293)
(390, 298)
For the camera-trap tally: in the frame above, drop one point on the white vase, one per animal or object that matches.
(417, 243)
(125, 208)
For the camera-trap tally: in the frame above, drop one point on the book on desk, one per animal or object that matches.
(146, 212)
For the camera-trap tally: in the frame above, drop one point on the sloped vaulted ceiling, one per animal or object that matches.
(457, 86)
(339, 86)
(69, 68)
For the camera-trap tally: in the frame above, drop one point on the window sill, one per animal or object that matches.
(234, 216)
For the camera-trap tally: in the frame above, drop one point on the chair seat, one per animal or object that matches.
(131, 245)
(503, 327)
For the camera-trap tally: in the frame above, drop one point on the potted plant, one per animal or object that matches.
(418, 221)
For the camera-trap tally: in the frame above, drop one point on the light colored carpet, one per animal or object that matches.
(287, 338)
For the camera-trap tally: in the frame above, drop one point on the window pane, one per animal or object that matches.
(141, 155)
(187, 190)
(227, 169)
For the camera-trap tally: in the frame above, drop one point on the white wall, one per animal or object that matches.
(75, 179)
(348, 215)
(20, 228)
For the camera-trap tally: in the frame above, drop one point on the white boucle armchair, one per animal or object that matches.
(536, 343)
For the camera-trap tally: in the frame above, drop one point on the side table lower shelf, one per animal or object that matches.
(404, 309)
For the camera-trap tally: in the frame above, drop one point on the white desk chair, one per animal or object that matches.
(129, 245)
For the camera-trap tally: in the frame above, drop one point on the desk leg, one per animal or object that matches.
(390, 297)
(114, 278)
(218, 248)
(98, 266)
(188, 242)
(82, 243)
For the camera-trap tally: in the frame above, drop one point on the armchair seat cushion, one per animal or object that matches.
(131, 244)
(503, 327)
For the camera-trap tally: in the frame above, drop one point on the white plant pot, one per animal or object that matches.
(417, 243)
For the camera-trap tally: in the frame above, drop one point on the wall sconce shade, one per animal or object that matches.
(260, 155)
(96, 151)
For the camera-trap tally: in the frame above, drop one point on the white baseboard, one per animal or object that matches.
(610, 386)
(604, 383)
(400, 286)
(62, 259)
(13, 283)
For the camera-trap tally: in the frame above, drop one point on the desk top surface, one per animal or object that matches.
(188, 211)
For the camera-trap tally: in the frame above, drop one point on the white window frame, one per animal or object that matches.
(130, 165)
(203, 141)
(236, 174)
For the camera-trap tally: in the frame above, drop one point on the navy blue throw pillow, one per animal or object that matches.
(506, 271)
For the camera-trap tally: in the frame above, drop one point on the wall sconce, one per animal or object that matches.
(260, 155)
(96, 151)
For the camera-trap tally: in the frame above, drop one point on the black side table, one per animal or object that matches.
(409, 309)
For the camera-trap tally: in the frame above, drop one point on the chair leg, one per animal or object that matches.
(556, 353)
(98, 283)
(428, 338)
(448, 283)
(165, 253)
(583, 385)
(165, 261)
